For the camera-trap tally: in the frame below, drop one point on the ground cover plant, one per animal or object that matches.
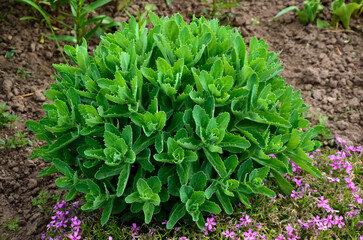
(341, 12)
(328, 208)
(189, 99)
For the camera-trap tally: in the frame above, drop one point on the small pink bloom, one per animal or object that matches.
(227, 233)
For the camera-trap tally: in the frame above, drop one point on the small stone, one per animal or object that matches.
(311, 75)
(342, 125)
(10, 37)
(39, 97)
(32, 46)
(49, 55)
(308, 87)
(354, 118)
(32, 183)
(317, 95)
(354, 102)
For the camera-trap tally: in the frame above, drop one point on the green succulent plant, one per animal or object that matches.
(178, 121)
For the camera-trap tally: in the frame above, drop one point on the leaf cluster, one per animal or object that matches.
(83, 27)
(177, 122)
(306, 16)
(17, 141)
(217, 6)
(343, 12)
(7, 119)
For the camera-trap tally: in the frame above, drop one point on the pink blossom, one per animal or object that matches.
(358, 199)
(250, 235)
(183, 238)
(331, 179)
(227, 233)
(74, 236)
(305, 225)
(298, 182)
(328, 221)
(315, 220)
(338, 221)
(289, 228)
(322, 202)
(246, 220)
(280, 237)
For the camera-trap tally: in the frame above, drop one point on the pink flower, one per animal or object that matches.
(250, 235)
(272, 155)
(338, 221)
(305, 225)
(321, 226)
(315, 220)
(340, 140)
(358, 199)
(331, 179)
(335, 164)
(183, 238)
(227, 233)
(280, 237)
(298, 182)
(262, 236)
(295, 195)
(74, 236)
(109, 238)
(350, 184)
(322, 202)
(289, 228)
(210, 223)
(246, 220)
(328, 221)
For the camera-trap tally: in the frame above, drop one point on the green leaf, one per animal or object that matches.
(62, 141)
(185, 193)
(299, 157)
(134, 198)
(148, 209)
(106, 213)
(283, 184)
(122, 179)
(244, 169)
(231, 142)
(176, 214)
(286, 10)
(47, 171)
(344, 14)
(108, 171)
(198, 181)
(64, 168)
(155, 184)
(323, 24)
(224, 200)
(216, 162)
(171, 30)
(210, 207)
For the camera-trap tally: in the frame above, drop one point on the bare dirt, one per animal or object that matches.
(327, 65)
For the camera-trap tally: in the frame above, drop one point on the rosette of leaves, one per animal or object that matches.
(177, 121)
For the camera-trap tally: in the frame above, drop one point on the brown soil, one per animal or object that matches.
(327, 65)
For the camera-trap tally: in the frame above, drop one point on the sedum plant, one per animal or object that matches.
(177, 122)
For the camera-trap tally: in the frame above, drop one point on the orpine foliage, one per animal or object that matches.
(178, 122)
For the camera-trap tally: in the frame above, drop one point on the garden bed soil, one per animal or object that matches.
(327, 65)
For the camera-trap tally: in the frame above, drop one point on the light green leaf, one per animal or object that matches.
(177, 213)
(216, 162)
(106, 213)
